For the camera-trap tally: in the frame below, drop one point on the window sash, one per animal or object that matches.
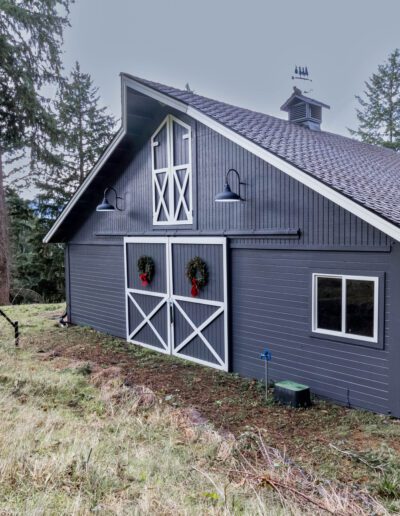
(173, 193)
(343, 333)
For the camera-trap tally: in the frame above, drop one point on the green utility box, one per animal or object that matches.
(292, 393)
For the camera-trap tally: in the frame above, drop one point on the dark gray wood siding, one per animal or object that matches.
(271, 307)
(273, 201)
(270, 276)
(96, 287)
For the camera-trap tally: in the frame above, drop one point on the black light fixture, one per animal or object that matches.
(227, 195)
(105, 205)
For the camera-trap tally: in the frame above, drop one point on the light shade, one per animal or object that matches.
(105, 205)
(227, 195)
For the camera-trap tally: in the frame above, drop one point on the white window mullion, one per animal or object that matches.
(376, 311)
(344, 290)
(171, 186)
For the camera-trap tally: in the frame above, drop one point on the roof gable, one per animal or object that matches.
(362, 178)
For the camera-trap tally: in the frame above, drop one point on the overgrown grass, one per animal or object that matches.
(76, 438)
(69, 447)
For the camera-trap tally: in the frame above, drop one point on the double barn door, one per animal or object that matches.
(163, 315)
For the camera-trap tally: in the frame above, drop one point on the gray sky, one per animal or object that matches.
(242, 52)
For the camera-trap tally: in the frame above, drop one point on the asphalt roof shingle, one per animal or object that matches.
(368, 174)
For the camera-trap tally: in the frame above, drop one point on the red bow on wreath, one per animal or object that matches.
(195, 288)
(144, 279)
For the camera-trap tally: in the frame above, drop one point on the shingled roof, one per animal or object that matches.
(367, 174)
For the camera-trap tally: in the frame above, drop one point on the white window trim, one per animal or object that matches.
(344, 278)
(170, 178)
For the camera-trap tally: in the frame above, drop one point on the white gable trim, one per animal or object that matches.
(311, 182)
(77, 195)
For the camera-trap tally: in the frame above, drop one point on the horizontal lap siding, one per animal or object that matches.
(271, 307)
(97, 296)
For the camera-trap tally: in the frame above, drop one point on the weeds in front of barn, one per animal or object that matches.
(76, 438)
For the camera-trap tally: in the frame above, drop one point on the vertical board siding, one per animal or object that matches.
(271, 307)
(97, 292)
(273, 199)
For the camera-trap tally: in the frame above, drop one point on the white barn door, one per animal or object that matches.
(164, 316)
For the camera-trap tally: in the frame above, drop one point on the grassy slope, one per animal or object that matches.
(67, 446)
(72, 444)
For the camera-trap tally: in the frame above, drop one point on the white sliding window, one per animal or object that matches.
(171, 148)
(346, 306)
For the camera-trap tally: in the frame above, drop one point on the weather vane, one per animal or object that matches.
(301, 72)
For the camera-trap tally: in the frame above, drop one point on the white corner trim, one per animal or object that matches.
(311, 182)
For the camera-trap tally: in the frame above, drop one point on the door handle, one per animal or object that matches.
(171, 312)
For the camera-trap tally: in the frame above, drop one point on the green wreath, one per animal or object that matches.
(197, 273)
(146, 267)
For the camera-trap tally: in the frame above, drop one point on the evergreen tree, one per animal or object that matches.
(30, 39)
(37, 270)
(86, 129)
(379, 112)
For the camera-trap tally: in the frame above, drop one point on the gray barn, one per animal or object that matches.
(307, 263)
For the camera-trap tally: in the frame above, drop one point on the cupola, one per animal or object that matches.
(304, 110)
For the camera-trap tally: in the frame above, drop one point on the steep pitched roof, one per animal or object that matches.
(365, 173)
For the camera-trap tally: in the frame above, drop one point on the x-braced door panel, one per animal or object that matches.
(147, 307)
(199, 323)
(164, 315)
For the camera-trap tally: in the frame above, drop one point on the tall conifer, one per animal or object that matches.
(31, 33)
(379, 111)
(86, 128)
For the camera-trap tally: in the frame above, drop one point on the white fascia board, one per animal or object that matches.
(113, 144)
(117, 138)
(311, 182)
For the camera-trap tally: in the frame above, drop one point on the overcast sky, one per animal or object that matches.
(242, 52)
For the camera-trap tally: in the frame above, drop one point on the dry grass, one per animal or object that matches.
(75, 439)
(69, 445)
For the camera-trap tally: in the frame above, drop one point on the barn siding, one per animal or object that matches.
(273, 201)
(97, 290)
(271, 307)
(270, 276)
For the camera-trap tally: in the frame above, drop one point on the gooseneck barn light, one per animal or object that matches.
(105, 205)
(227, 195)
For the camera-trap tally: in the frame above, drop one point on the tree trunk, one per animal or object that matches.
(4, 243)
